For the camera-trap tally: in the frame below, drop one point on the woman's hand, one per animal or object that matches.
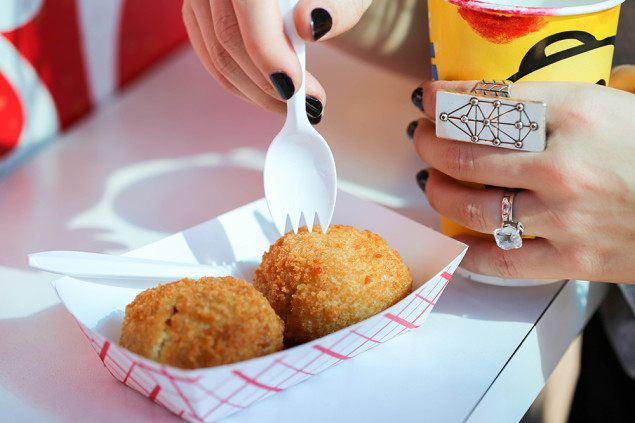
(577, 198)
(242, 45)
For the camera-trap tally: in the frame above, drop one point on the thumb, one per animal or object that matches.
(325, 19)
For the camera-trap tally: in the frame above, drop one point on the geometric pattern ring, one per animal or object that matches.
(484, 119)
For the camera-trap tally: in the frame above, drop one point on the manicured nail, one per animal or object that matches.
(422, 178)
(417, 98)
(314, 109)
(283, 84)
(411, 130)
(321, 23)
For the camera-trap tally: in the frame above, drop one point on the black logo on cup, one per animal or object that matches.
(536, 57)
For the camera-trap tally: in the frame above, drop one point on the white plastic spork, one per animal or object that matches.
(299, 174)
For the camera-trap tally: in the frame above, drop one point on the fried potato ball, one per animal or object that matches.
(319, 283)
(201, 323)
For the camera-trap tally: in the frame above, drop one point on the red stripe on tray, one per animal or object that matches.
(365, 337)
(401, 321)
(330, 352)
(129, 372)
(255, 382)
(154, 393)
(422, 298)
(104, 351)
(288, 366)
(447, 276)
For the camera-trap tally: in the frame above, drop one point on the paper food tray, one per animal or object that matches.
(237, 240)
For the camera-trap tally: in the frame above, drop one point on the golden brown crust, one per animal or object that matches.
(321, 283)
(209, 322)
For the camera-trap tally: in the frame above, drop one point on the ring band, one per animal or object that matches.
(493, 88)
(509, 235)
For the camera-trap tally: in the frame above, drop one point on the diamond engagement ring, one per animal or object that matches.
(488, 116)
(509, 235)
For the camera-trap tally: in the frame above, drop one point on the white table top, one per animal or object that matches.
(175, 150)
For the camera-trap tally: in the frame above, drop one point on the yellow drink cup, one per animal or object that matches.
(521, 40)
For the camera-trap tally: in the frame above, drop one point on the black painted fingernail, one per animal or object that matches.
(422, 178)
(411, 130)
(283, 84)
(417, 98)
(321, 23)
(314, 109)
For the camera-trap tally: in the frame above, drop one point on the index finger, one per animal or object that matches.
(483, 163)
(555, 94)
(261, 26)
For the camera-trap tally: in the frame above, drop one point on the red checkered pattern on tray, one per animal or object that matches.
(211, 394)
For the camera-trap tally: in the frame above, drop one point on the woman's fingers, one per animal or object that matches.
(266, 45)
(429, 94)
(325, 19)
(537, 259)
(554, 94)
(252, 32)
(242, 44)
(200, 47)
(232, 40)
(218, 61)
(575, 197)
(479, 208)
(470, 162)
(463, 160)
(570, 108)
(598, 259)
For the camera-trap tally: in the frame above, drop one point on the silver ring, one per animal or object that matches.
(493, 88)
(498, 122)
(509, 235)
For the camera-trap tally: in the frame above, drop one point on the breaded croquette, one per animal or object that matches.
(201, 323)
(320, 283)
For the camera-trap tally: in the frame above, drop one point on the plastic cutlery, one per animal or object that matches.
(80, 264)
(299, 173)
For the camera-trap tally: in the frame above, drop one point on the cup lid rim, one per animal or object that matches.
(487, 6)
